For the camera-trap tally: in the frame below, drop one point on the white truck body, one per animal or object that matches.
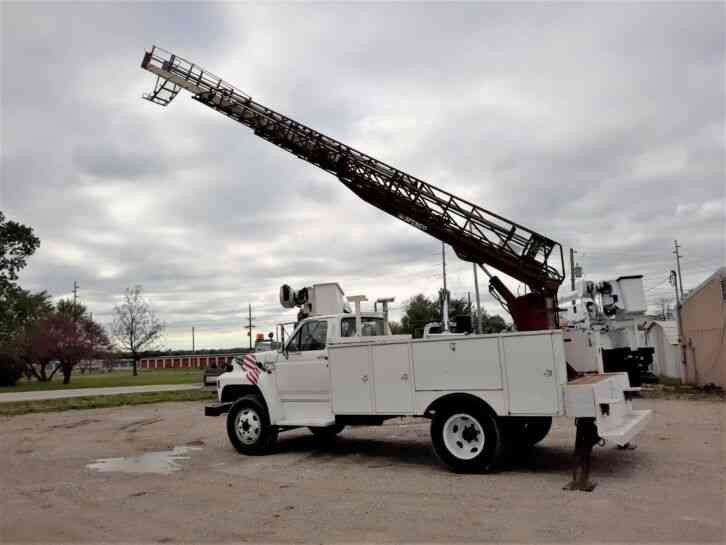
(521, 374)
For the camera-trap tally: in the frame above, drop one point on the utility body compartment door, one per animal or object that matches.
(350, 379)
(371, 377)
(457, 363)
(534, 365)
(392, 380)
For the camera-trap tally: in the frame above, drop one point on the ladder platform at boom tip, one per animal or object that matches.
(476, 234)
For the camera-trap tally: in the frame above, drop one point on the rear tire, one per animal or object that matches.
(466, 437)
(527, 432)
(248, 427)
(327, 432)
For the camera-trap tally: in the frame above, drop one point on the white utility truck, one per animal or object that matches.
(483, 393)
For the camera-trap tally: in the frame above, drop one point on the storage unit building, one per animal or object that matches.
(704, 331)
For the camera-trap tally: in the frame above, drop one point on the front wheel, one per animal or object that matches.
(248, 427)
(466, 437)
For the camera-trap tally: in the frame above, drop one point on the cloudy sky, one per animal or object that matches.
(601, 126)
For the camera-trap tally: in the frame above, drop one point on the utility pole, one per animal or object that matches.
(193, 343)
(445, 296)
(673, 278)
(249, 325)
(478, 303)
(678, 266)
(75, 300)
(572, 269)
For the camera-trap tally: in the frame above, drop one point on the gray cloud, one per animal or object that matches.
(600, 125)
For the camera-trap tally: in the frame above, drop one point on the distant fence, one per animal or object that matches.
(186, 362)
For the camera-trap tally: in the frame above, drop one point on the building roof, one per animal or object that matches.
(719, 274)
(670, 329)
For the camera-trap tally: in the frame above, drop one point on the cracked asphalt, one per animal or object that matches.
(371, 484)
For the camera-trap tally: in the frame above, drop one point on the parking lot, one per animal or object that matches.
(372, 484)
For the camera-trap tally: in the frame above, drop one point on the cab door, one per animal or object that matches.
(302, 377)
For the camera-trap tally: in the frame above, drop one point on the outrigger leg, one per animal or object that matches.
(585, 439)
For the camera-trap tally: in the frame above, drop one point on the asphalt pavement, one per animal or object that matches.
(84, 392)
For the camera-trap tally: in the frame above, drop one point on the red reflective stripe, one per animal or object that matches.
(250, 369)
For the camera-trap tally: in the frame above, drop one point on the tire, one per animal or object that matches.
(527, 432)
(327, 432)
(466, 437)
(248, 426)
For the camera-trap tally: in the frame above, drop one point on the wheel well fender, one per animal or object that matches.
(234, 391)
(457, 399)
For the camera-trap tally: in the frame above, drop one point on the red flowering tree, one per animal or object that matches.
(66, 340)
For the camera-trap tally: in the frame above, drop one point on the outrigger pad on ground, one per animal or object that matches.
(585, 439)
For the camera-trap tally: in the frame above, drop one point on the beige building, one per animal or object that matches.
(704, 331)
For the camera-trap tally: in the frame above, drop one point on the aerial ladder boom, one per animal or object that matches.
(476, 235)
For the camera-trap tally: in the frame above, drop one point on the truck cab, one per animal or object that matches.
(301, 389)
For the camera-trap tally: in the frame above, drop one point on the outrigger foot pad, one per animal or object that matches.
(585, 439)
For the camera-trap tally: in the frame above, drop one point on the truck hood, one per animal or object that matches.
(268, 356)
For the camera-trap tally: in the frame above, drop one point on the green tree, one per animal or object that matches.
(420, 310)
(20, 315)
(492, 324)
(71, 309)
(17, 243)
(18, 307)
(396, 328)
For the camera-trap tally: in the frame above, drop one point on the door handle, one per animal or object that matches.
(548, 372)
(364, 378)
(404, 376)
(322, 357)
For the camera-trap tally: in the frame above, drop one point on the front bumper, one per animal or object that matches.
(216, 408)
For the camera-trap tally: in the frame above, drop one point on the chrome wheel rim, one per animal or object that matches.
(463, 436)
(248, 426)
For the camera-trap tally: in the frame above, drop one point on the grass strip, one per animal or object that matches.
(100, 402)
(115, 378)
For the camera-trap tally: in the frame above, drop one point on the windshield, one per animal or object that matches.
(370, 327)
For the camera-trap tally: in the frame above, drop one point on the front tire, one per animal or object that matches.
(248, 427)
(467, 437)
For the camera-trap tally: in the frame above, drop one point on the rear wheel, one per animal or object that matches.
(248, 426)
(467, 438)
(327, 432)
(527, 432)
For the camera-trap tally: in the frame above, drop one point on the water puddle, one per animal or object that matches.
(163, 462)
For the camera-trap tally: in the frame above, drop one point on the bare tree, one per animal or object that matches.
(135, 326)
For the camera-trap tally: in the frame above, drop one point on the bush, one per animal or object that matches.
(11, 369)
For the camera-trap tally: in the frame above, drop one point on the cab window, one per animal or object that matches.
(311, 336)
(370, 326)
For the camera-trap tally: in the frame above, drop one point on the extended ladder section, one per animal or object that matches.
(475, 234)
